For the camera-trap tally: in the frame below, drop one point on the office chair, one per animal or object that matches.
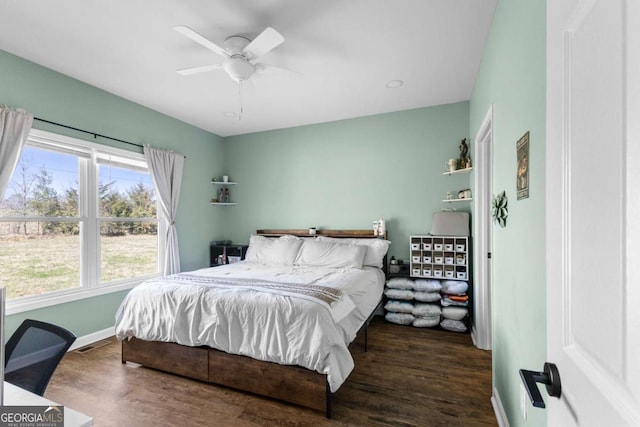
(33, 353)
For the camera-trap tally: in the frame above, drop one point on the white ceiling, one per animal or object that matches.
(344, 51)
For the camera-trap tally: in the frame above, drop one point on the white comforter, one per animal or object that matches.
(280, 328)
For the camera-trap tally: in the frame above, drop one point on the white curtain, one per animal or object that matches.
(15, 125)
(166, 172)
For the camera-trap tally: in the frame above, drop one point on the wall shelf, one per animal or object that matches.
(224, 191)
(458, 171)
(457, 200)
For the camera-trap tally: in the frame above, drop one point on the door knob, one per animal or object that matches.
(550, 377)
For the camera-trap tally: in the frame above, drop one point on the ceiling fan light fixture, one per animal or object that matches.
(239, 51)
(238, 68)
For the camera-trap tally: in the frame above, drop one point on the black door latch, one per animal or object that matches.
(550, 377)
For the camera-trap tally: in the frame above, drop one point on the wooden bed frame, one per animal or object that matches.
(293, 384)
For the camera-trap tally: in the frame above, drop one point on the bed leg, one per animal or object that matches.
(328, 413)
(366, 325)
(366, 336)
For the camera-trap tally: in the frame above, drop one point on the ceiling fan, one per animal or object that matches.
(239, 52)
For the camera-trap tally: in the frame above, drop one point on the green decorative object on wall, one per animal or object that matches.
(499, 209)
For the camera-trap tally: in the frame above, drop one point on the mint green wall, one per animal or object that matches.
(348, 173)
(61, 99)
(512, 77)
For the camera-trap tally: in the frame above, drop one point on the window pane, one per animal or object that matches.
(43, 247)
(35, 263)
(128, 250)
(45, 183)
(125, 193)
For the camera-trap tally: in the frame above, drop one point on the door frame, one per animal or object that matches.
(481, 329)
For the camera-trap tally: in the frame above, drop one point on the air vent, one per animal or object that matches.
(92, 346)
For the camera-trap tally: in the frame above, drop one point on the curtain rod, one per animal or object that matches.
(95, 135)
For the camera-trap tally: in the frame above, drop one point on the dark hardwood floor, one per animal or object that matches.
(409, 377)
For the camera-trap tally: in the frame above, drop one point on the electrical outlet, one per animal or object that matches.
(523, 401)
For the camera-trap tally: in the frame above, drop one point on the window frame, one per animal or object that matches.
(89, 286)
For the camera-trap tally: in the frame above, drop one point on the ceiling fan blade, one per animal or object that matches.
(188, 32)
(196, 70)
(267, 40)
(268, 68)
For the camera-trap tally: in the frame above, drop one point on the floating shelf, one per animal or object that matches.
(458, 200)
(457, 171)
(223, 204)
(223, 183)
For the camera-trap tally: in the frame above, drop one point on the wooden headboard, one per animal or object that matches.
(361, 234)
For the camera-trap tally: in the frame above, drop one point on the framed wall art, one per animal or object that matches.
(522, 175)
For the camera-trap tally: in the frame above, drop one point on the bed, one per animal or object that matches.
(278, 324)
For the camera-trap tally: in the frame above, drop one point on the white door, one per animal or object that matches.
(593, 211)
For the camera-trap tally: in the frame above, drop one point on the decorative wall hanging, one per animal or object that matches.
(522, 176)
(464, 161)
(499, 209)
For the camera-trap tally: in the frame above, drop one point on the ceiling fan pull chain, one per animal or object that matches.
(240, 99)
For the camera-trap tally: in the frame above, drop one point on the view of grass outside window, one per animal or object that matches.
(60, 232)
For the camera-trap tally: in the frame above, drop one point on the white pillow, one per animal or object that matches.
(399, 306)
(269, 250)
(328, 254)
(426, 310)
(376, 248)
(454, 313)
(400, 283)
(453, 325)
(403, 294)
(427, 296)
(400, 318)
(426, 322)
(454, 287)
(427, 285)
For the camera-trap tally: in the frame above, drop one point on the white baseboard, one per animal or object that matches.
(93, 337)
(473, 335)
(498, 409)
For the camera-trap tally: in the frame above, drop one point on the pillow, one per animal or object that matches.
(427, 285)
(328, 254)
(427, 296)
(453, 325)
(399, 306)
(454, 313)
(426, 310)
(454, 287)
(426, 322)
(376, 248)
(400, 318)
(403, 294)
(400, 283)
(269, 250)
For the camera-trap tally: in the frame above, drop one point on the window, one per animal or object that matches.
(76, 217)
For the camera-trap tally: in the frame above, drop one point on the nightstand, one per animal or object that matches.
(226, 254)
